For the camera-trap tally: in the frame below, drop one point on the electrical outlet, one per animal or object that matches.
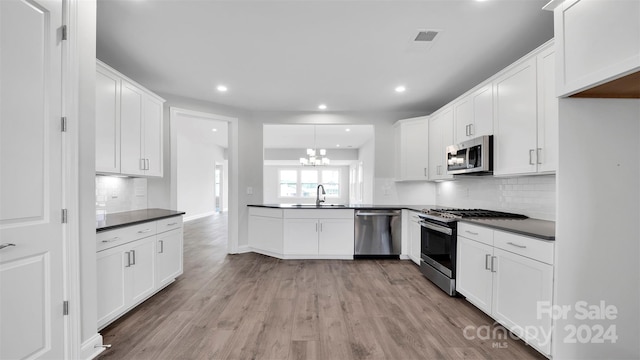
(249, 190)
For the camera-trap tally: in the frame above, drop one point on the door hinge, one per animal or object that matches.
(64, 216)
(65, 308)
(64, 32)
(63, 123)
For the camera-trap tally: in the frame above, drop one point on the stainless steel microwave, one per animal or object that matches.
(473, 157)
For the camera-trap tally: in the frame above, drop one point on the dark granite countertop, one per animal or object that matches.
(347, 206)
(542, 229)
(127, 218)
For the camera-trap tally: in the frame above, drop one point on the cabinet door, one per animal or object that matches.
(612, 49)
(515, 123)
(414, 149)
(142, 269)
(463, 119)
(112, 292)
(107, 121)
(520, 284)
(336, 237)
(301, 236)
(474, 277)
(415, 233)
(440, 136)
(168, 256)
(152, 136)
(482, 111)
(547, 152)
(131, 162)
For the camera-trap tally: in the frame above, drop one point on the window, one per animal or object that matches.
(288, 183)
(304, 182)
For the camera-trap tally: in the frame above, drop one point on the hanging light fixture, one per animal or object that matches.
(315, 157)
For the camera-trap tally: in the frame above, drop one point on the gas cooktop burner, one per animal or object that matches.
(471, 213)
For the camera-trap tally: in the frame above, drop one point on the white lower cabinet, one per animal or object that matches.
(322, 233)
(302, 233)
(415, 234)
(168, 256)
(126, 275)
(134, 263)
(507, 276)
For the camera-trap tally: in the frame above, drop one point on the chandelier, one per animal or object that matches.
(315, 157)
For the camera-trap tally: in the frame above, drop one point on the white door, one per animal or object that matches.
(336, 237)
(301, 236)
(474, 276)
(519, 285)
(31, 267)
(131, 161)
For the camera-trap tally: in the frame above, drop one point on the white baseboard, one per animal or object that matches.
(244, 249)
(92, 347)
(198, 216)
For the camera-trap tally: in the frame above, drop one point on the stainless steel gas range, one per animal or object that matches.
(439, 242)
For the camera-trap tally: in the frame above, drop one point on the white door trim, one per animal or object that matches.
(233, 226)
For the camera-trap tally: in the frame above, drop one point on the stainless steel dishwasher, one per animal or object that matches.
(377, 233)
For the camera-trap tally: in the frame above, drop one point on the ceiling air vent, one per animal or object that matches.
(426, 35)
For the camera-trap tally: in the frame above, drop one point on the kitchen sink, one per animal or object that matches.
(315, 206)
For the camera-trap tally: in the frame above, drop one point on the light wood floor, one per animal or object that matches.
(251, 306)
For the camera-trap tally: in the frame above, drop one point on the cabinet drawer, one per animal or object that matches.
(169, 224)
(535, 249)
(477, 233)
(109, 239)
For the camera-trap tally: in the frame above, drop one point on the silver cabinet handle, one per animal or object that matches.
(144, 231)
(486, 262)
(111, 240)
(142, 164)
(6, 245)
(539, 155)
(172, 224)
(376, 214)
(133, 255)
(531, 156)
(493, 269)
(320, 227)
(471, 232)
(128, 259)
(516, 245)
(316, 227)
(147, 165)
(161, 246)
(425, 172)
(470, 129)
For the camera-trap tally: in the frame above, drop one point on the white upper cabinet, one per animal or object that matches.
(128, 126)
(440, 136)
(526, 116)
(473, 114)
(596, 42)
(412, 149)
(107, 120)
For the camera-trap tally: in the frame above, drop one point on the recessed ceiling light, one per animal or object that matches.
(347, 130)
(400, 89)
(337, 145)
(214, 129)
(322, 107)
(222, 88)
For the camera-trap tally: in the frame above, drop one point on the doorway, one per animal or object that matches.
(204, 151)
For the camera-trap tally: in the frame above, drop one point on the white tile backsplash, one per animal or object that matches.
(118, 194)
(534, 196)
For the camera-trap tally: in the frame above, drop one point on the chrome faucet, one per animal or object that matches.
(318, 201)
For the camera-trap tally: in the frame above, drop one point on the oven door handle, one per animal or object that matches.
(438, 228)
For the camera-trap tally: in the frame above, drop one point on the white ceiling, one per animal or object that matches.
(294, 55)
(323, 136)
